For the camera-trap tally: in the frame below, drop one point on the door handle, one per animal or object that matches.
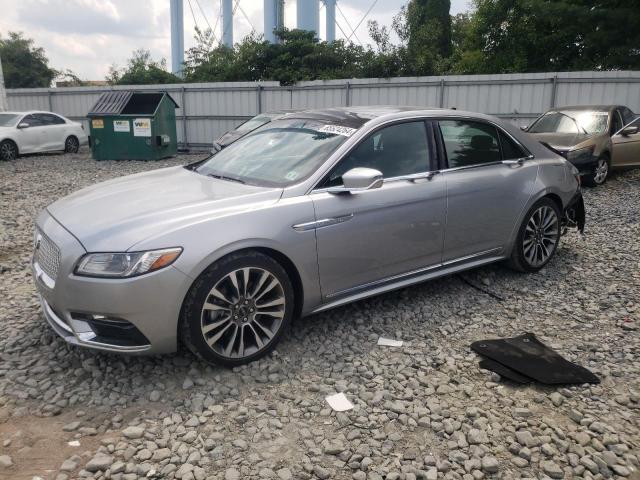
(421, 176)
(518, 162)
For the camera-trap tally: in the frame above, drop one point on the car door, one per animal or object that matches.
(369, 237)
(626, 145)
(31, 134)
(489, 179)
(55, 131)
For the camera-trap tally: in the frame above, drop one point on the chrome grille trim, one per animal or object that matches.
(47, 255)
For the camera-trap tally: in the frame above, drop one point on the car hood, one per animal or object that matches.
(562, 141)
(117, 214)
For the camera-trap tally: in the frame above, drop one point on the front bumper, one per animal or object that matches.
(133, 315)
(586, 164)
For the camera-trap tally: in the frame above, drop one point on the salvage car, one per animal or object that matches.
(309, 212)
(594, 138)
(36, 132)
(247, 127)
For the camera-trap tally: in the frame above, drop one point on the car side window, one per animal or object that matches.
(52, 119)
(45, 119)
(397, 150)
(627, 115)
(32, 121)
(510, 149)
(470, 143)
(616, 122)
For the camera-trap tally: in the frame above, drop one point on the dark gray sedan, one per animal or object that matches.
(308, 212)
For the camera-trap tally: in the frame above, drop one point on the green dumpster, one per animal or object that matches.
(133, 125)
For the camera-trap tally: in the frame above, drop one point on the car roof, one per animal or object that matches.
(589, 108)
(359, 115)
(30, 112)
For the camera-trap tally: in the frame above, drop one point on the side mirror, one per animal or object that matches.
(524, 127)
(358, 180)
(23, 125)
(630, 130)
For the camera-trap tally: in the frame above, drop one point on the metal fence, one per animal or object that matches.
(209, 109)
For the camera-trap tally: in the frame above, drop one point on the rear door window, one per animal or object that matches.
(468, 143)
(510, 149)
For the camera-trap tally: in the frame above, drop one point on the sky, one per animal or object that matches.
(88, 36)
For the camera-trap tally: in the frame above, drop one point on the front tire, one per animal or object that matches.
(8, 150)
(71, 145)
(600, 173)
(238, 309)
(538, 237)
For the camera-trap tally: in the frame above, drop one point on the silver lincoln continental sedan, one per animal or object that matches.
(311, 211)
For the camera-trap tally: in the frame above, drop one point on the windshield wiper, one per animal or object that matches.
(224, 177)
(574, 121)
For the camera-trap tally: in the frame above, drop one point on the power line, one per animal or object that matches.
(348, 24)
(247, 17)
(192, 14)
(206, 20)
(365, 16)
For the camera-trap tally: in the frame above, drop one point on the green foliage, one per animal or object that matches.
(504, 36)
(425, 25)
(23, 64)
(141, 69)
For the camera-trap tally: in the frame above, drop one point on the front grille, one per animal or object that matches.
(47, 255)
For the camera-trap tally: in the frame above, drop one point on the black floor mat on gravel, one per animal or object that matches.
(528, 356)
(504, 372)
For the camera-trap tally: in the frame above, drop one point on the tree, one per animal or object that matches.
(425, 27)
(505, 36)
(24, 65)
(141, 69)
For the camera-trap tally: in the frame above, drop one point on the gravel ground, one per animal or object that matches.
(424, 410)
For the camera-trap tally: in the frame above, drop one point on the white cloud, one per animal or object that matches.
(87, 36)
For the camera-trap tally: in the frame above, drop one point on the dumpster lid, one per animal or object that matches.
(127, 102)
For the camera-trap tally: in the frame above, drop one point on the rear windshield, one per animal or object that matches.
(278, 154)
(8, 119)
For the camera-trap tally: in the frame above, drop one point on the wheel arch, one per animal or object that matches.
(9, 139)
(284, 261)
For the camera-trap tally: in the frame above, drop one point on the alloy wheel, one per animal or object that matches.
(540, 236)
(71, 145)
(8, 151)
(243, 312)
(601, 171)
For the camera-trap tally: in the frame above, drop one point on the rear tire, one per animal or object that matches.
(8, 150)
(71, 144)
(600, 173)
(237, 309)
(538, 237)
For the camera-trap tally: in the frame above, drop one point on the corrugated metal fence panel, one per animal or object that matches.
(210, 109)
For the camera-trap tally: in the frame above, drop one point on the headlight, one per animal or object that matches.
(127, 264)
(581, 155)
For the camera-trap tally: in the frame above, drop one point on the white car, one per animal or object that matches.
(33, 132)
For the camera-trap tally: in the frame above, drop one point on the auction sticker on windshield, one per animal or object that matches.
(338, 129)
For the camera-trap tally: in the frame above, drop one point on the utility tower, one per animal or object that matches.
(177, 37)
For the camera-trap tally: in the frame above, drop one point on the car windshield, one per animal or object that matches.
(252, 124)
(571, 122)
(8, 119)
(278, 154)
